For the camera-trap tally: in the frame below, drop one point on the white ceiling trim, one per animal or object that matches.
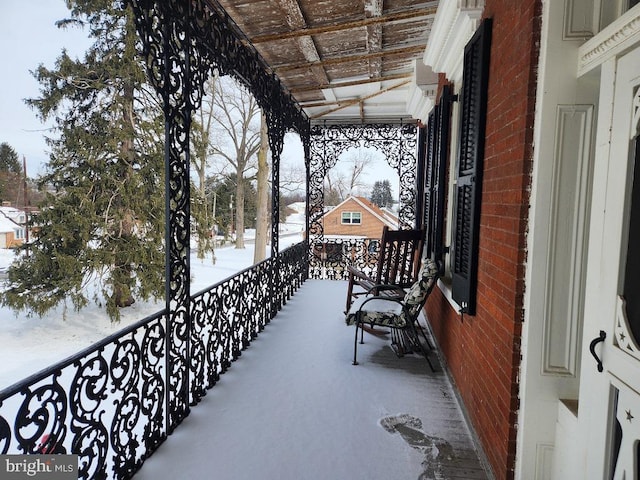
(454, 25)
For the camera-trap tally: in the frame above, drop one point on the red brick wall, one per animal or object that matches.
(483, 352)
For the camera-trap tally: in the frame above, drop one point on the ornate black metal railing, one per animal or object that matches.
(110, 404)
(332, 257)
(398, 143)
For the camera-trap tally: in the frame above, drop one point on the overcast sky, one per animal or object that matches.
(28, 38)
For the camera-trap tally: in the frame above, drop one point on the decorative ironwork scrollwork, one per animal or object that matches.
(5, 435)
(398, 142)
(90, 436)
(107, 404)
(153, 389)
(183, 42)
(40, 425)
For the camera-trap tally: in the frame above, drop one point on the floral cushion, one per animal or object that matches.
(379, 311)
(390, 312)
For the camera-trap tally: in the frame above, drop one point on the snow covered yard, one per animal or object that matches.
(30, 344)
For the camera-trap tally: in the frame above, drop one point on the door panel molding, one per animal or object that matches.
(567, 241)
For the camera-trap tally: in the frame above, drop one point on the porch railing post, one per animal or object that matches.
(177, 113)
(276, 142)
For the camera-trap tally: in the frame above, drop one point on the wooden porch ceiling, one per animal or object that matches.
(342, 61)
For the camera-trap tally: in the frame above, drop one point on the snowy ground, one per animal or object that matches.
(30, 344)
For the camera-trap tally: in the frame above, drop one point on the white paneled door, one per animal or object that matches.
(610, 376)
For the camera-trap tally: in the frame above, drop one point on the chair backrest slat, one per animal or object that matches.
(400, 251)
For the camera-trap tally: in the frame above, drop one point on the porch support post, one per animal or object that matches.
(406, 137)
(177, 114)
(315, 198)
(276, 141)
(307, 221)
(168, 47)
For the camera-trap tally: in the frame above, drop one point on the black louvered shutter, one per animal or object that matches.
(429, 201)
(440, 170)
(421, 214)
(438, 130)
(473, 100)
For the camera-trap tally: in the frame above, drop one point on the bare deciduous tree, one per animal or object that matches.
(235, 139)
(346, 178)
(262, 220)
(200, 139)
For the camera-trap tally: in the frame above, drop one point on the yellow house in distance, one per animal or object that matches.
(354, 225)
(357, 217)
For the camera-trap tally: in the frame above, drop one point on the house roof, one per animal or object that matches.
(384, 216)
(359, 60)
(7, 226)
(11, 212)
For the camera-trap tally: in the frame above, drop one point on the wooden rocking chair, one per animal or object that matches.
(399, 314)
(398, 264)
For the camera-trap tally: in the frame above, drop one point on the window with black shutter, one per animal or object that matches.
(440, 170)
(421, 183)
(438, 134)
(473, 107)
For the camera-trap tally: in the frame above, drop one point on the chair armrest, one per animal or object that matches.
(385, 298)
(382, 287)
(353, 271)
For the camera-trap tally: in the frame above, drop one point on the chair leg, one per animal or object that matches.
(413, 338)
(397, 343)
(424, 335)
(355, 345)
(349, 293)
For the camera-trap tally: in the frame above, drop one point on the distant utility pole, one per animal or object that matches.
(26, 197)
(26, 203)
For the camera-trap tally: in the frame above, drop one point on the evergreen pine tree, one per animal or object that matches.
(11, 181)
(9, 160)
(105, 220)
(381, 194)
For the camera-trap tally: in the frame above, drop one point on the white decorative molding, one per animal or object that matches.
(420, 101)
(453, 26)
(635, 114)
(619, 36)
(544, 461)
(422, 91)
(578, 19)
(628, 418)
(566, 257)
(623, 336)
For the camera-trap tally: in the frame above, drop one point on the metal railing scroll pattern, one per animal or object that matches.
(225, 320)
(293, 271)
(330, 259)
(107, 403)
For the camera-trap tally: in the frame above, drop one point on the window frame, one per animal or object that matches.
(352, 215)
(469, 167)
(436, 185)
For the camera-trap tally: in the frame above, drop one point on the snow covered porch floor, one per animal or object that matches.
(293, 407)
